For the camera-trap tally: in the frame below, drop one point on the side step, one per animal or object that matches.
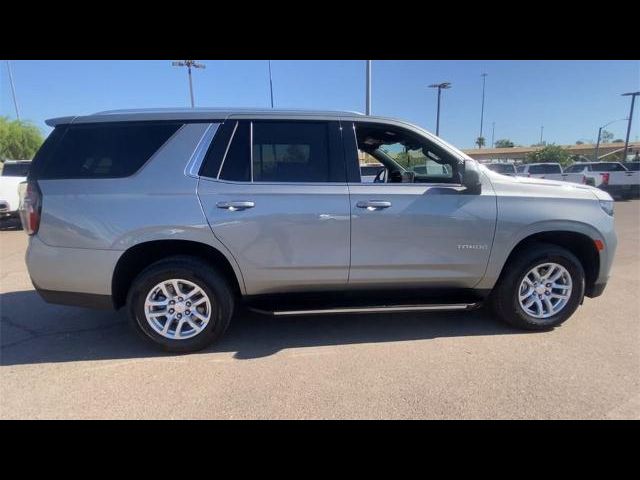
(371, 309)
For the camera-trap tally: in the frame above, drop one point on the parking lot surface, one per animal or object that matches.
(64, 362)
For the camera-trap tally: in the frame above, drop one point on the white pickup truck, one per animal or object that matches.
(612, 177)
(14, 172)
(549, 171)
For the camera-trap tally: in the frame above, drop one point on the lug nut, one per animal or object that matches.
(539, 296)
(179, 315)
(188, 312)
(188, 304)
(179, 299)
(172, 302)
(547, 292)
(171, 310)
(548, 285)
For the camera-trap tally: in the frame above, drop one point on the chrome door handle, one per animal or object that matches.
(372, 205)
(235, 206)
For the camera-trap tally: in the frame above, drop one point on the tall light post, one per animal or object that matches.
(600, 134)
(189, 64)
(541, 133)
(633, 96)
(368, 89)
(484, 78)
(13, 90)
(270, 84)
(493, 134)
(440, 87)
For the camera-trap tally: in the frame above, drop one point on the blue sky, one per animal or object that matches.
(570, 98)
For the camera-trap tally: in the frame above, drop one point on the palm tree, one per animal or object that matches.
(480, 142)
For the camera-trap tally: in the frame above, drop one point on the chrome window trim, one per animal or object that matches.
(251, 148)
(197, 157)
(233, 134)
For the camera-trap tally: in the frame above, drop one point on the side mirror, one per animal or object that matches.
(471, 178)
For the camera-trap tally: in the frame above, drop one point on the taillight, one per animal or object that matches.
(605, 178)
(30, 208)
(584, 179)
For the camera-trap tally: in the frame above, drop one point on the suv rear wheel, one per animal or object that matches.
(181, 304)
(540, 288)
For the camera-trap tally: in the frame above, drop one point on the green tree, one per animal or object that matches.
(579, 142)
(18, 140)
(549, 154)
(504, 143)
(606, 136)
(480, 142)
(618, 140)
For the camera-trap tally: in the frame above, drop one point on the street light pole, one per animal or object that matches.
(633, 96)
(189, 64)
(270, 84)
(598, 143)
(484, 78)
(440, 87)
(368, 89)
(541, 132)
(600, 135)
(493, 134)
(13, 91)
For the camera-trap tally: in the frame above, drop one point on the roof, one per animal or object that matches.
(149, 114)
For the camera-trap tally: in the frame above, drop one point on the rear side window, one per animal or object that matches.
(550, 168)
(608, 167)
(15, 169)
(105, 150)
(293, 152)
(237, 163)
(633, 166)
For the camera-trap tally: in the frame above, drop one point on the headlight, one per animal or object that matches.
(607, 206)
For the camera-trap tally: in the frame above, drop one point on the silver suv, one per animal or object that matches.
(182, 216)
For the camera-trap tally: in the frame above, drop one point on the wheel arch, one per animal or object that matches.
(139, 256)
(579, 243)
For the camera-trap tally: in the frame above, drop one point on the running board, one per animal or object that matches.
(372, 309)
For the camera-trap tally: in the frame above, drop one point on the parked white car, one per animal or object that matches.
(612, 177)
(550, 171)
(502, 168)
(14, 172)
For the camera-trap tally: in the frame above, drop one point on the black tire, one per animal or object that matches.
(194, 270)
(504, 298)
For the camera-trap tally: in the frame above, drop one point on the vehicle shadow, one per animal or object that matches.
(32, 331)
(10, 224)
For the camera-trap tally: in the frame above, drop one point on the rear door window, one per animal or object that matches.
(102, 150)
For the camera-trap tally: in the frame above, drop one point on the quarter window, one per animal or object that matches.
(105, 150)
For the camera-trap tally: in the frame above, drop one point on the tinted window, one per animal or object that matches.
(608, 167)
(237, 163)
(293, 152)
(370, 170)
(549, 168)
(45, 154)
(501, 167)
(106, 150)
(217, 149)
(15, 169)
(634, 166)
(574, 169)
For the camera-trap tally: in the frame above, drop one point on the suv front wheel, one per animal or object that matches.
(540, 288)
(181, 304)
